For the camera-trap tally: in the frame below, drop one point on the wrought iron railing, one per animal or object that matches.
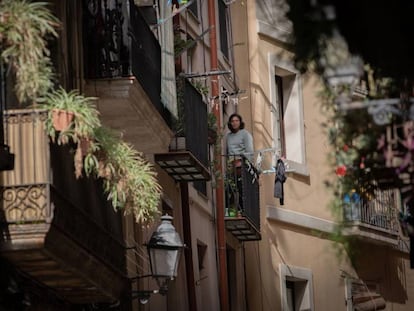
(25, 189)
(42, 189)
(242, 190)
(118, 42)
(380, 211)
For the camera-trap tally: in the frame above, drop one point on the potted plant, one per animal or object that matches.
(73, 117)
(61, 119)
(24, 26)
(129, 180)
(72, 114)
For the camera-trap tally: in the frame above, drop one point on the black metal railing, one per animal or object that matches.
(194, 117)
(118, 42)
(380, 211)
(242, 190)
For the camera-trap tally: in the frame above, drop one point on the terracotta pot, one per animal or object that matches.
(61, 119)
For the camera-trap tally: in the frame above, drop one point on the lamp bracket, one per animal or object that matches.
(138, 277)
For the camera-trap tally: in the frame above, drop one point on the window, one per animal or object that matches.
(224, 43)
(287, 114)
(191, 56)
(194, 8)
(290, 295)
(280, 110)
(201, 251)
(296, 288)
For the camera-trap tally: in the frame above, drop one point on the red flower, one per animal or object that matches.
(345, 148)
(362, 164)
(340, 170)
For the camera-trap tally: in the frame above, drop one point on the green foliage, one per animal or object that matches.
(200, 87)
(181, 45)
(86, 116)
(24, 27)
(353, 138)
(212, 121)
(129, 180)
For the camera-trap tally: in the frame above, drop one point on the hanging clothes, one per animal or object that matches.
(280, 179)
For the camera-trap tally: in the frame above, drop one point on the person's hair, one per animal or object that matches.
(231, 117)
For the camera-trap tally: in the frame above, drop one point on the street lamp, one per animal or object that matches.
(164, 251)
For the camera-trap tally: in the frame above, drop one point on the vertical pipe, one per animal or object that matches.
(221, 241)
(189, 266)
(185, 206)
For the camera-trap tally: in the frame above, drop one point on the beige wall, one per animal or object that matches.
(300, 245)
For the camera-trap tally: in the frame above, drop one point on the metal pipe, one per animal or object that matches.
(188, 251)
(221, 240)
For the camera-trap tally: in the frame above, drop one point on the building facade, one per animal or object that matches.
(297, 265)
(165, 73)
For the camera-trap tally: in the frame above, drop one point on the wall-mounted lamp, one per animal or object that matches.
(164, 250)
(347, 73)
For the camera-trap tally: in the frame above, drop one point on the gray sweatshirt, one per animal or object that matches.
(240, 143)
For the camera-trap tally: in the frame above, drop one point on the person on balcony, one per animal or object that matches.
(239, 140)
(239, 143)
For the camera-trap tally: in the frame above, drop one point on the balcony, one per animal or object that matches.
(187, 159)
(118, 43)
(59, 231)
(242, 215)
(375, 219)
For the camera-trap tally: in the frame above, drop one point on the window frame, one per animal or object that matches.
(224, 33)
(296, 275)
(293, 108)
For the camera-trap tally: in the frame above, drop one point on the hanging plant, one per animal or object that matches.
(129, 180)
(24, 26)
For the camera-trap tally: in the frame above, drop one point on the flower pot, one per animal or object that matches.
(61, 119)
(232, 212)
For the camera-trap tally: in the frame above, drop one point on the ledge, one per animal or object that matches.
(299, 219)
(360, 230)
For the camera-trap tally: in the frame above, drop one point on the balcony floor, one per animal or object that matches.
(242, 229)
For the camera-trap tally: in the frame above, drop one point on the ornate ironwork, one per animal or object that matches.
(107, 44)
(118, 42)
(25, 204)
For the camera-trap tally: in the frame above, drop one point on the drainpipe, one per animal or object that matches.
(188, 251)
(221, 239)
(185, 206)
